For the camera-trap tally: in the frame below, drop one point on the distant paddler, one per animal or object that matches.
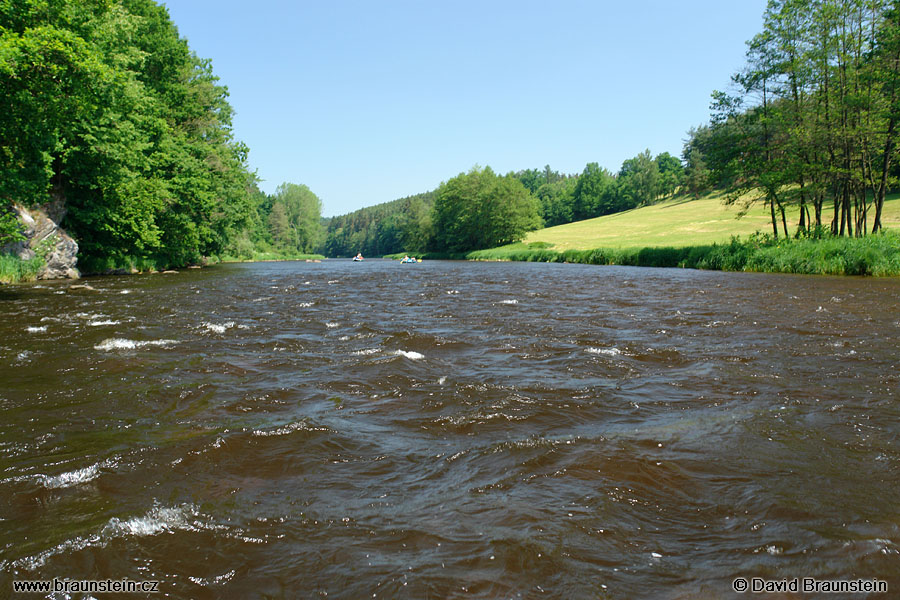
(358, 257)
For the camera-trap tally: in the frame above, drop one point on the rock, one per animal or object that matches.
(43, 235)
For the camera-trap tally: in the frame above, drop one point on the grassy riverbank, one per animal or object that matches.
(872, 255)
(14, 270)
(706, 234)
(271, 257)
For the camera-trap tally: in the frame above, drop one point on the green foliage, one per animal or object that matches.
(295, 218)
(671, 174)
(557, 201)
(595, 194)
(104, 104)
(696, 179)
(400, 226)
(10, 228)
(480, 209)
(813, 124)
(639, 180)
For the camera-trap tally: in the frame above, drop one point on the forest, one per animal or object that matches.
(811, 126)
(481, 209)
(106, 111)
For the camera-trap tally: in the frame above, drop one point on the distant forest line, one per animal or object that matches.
(105, 109)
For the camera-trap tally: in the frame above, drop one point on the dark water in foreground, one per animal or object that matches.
(450, 430)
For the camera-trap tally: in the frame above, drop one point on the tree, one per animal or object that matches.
(594, 193)
(302, 211)
(480, 209)
(639, 180)
(557, 201)
(104, 108)
(696, 181)
(671, 174)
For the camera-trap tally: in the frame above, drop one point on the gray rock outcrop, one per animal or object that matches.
(43, 235)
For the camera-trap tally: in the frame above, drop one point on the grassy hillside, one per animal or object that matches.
(675, 223)
(700, 234)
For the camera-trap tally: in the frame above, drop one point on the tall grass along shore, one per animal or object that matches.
(877, 255)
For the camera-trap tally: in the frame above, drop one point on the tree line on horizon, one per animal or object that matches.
(481, 209)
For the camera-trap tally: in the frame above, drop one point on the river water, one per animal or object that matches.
(450, 430)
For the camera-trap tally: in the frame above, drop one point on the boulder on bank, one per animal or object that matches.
(42, 234)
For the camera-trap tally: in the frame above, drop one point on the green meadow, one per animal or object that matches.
(707, 234)
(677, 223)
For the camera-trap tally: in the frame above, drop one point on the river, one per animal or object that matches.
(450, 430)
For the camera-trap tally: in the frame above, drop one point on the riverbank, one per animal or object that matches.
(877, 255)
(271, 257)
(15, 270)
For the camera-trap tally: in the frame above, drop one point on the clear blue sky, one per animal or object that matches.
(369, 101)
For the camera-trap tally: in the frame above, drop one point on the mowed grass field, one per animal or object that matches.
(678, 223)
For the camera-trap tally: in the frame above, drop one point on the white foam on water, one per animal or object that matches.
(305, 304)
(716, 323)
(605, 351)
(287, 429)
(102, 323)
(123, 344)
(158, 520)
(125, 292)
(218, 327)
(452, 292)
(442, 380)
(24, 355)
(217, 580)
(70, 478)
(367, 352)
(513, 301)
(36, 329)
(331, 324)
(410, 355)
(333, 281)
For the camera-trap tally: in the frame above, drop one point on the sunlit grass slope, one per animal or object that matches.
(677, 223)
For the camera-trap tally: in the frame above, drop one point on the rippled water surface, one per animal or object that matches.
(450, 430)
